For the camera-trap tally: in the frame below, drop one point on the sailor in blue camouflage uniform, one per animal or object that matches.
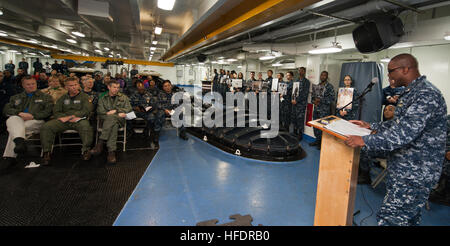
(441, 194)
(299, 104)
(323, 96)
(285, 103)
(144, 104)
(164, 107)
(415, 140)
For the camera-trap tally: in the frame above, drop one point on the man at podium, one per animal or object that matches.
(415, 142)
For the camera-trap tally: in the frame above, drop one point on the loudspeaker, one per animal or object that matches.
(378, 33)
(201, 58)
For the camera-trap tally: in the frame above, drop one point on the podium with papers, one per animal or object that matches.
(338, 172)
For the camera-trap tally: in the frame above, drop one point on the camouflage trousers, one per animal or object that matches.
(319, 113)
(403, 201)
(110, 129)
(53, 127)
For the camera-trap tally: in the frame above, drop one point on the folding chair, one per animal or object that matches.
(121, 130)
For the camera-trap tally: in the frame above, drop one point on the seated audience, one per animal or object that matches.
(26, 113)
(71, 112)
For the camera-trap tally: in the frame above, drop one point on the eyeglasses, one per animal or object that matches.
(392, 70)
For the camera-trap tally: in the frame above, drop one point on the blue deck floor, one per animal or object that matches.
(190, 182)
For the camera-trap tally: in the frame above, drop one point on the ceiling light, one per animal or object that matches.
(125, 58)
(79, 34)
(386, 59)
(158, 30)
(267, 57)
(220, 58)
(152, 52)
(239, 67)
(155, 42)
(326, 50)
(166, 4)
(111, 56)
(277, 65)
(1, 11)
(232, 60)
(106, 48)
(98, 51)
(214, 62)
(152, 48)
(2, 34)
(13, 51)
(33, 54)
(447, 36)
(71, 41)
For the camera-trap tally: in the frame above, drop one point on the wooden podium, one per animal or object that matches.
(338, 174)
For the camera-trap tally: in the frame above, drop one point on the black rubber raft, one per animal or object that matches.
(248, 142)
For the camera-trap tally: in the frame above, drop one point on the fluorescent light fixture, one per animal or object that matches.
(386, 59)
(1, 12)
(201, 63)
(2, 34)
(277, 65)
(326, 50)
(232, 60)
(33, 54)
(166, 4)
(71, 41)
(79, 34)
(13, 51)
(220, 58)
(125, 58)
(98, 51)
(152, 48)
(155, 42)
(214, 62)
(158, 30)
(106, 48)
(447, 36)
(152, 52)
(267, 57)
(111, 56)
(239, 67)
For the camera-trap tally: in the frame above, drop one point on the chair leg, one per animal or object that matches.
(125, 137)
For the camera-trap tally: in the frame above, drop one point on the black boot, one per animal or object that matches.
(183, 134)
(364, 177)
(156, 140)
(441, 194)
(46, 159)
(21, 146)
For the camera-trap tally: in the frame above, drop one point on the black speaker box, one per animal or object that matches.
(201, 58)
(378, 33)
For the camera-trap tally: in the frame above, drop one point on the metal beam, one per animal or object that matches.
(246, 15)
(104, 59)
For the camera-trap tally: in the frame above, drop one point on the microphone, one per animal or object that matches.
(372, 83)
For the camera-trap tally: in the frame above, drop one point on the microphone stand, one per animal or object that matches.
(367, 90)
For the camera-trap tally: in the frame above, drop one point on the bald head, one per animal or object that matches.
(405, 60)
(403, 69)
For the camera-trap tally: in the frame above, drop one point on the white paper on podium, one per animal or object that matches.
(130, 116)
(347, 128)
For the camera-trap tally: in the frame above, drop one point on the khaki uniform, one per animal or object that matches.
(55, 93)
(79, 106)
(112, 123)
(39, 105)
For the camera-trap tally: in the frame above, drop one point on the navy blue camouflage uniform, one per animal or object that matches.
(415, 140)
(324, 91)
(164, 102)
(143, 101)
(299, 109)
